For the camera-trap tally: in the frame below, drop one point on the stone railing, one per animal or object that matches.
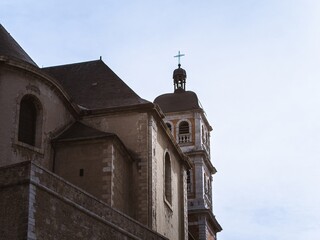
(184, 138)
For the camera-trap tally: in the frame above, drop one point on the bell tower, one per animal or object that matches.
(188, 124)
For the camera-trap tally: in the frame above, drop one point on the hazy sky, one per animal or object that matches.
(255, 65)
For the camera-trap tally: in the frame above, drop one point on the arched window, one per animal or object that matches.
(184, 135)
(183, 127)
(205, 183)
(189, 186)
(167, 178)
(169, 126)
(203, 135)
(29, 121)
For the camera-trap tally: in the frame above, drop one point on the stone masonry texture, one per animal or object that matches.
(33, 199)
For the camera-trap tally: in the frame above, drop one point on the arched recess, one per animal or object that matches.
(30, 121)
(184, 131)
(167, 178)
(170, 126)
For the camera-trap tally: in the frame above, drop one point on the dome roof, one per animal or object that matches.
(179, 72)
(178, 101)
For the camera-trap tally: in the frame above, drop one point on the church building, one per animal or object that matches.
(82, 156)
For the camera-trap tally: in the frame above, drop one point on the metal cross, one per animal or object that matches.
(179, 56)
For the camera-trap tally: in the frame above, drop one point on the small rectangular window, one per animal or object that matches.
(81, 172)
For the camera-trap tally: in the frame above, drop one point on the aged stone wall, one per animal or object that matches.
(14, 196)
(147, 141)
(14, 84)
(121, 187)
(193, 226)
(132, 129)
(171, 218)
(59, 210)
(101, 167)
(87, 156)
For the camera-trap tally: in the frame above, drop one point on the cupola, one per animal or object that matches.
(179, 78)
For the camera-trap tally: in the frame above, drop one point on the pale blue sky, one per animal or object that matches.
(255, 67)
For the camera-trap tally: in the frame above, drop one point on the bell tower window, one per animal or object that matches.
(184, 132)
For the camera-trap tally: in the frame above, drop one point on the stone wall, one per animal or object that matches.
(14, 195)
(105, 166)
(15, 83)
(132, 129)
(148, 142)
(121, 184)
(58, 210)
(170, 218)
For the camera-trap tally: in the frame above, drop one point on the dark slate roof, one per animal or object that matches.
(80, 131)
(10, 48)
(93, 85)
(180, 100)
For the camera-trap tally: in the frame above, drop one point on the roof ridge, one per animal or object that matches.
(72, 64)
(79, 130)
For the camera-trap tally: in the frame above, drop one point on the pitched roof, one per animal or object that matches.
(79, 131)
(178, 101)
(10, 48)
(93, 85)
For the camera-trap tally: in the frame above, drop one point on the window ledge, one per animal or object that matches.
(186, 144)
(29, 147)
(168, 204)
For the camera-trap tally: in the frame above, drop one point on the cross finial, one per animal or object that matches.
(179, 56)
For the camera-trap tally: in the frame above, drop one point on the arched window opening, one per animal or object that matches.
(184, 132)
(29, 121)
(167, 179)
(203, 135)
(184, 127)
(205, 183)
(169, 126)
(189, 186)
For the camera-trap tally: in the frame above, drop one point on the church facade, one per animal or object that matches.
(82, 156)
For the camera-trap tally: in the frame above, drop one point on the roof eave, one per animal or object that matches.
(116, 109)
(74, 109)
(80, 139)
(206, 157)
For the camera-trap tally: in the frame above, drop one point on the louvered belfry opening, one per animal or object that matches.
(184, 127)
(184, 133)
